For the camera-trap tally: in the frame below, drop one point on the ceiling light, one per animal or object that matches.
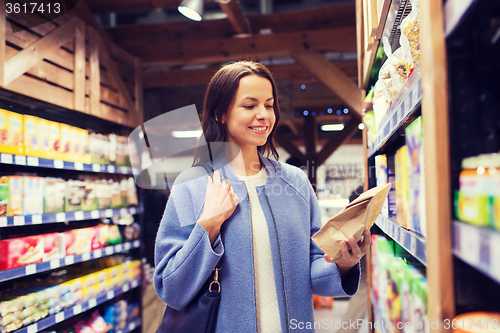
(192, 9)
(332, 127)
(186, 134)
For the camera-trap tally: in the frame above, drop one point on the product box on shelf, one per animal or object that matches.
(122, 155)
(66, 147)
(32, 195)
(74, 194)
(82, 146)
(54, 193)
(33, 142)
(4, 195)
(11, 132)
(416, 184)
(15, 195)
(382, 177)
(131, 192)
(103, 194)
(54, 139)
(89, 201)
(21, 251)
(52, 247)
(401, 166)
(116, 195)
(44, 138)
(99, 147)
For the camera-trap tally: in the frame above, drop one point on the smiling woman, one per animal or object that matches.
(270, 266)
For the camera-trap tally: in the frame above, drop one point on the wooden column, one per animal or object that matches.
(94, 78)
(80, 67)
(2, 41)
(437, 164)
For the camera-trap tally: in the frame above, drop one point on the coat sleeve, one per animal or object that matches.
(325, 276)
(184, 257)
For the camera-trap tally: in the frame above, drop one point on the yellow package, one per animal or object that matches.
(15, 195)
(11, 132)
(82, 150)
(33, 144)
(54, 140)
(66, 146)
(43, 133)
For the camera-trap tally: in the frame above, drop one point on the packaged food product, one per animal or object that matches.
(33, 143)
(21, 251)
(103, 194)
(395, 71)
(410, 30)
(52, 248)
(114, 235)
(44, 137)
(104, 234)
(122, 155)
(99, 147)
(66, 147)
(74, 194)
(401, 166)
(131, 192)
(11, 132)
(89, 201)
(380, 103)
(4, 195)
(32, 195)
(15, 195)
(54, 194)
(54, 139)
(116, 195)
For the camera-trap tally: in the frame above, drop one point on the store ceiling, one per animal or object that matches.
(178, 52)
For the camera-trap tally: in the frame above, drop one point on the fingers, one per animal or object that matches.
(345, 252)
(216, 177)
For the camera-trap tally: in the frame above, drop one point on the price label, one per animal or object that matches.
(109, 212)
(137, 243)
(86, 256)
(58, 164)
(396, 234)
(55, 264)
(20, 159)
(6, 158)
(69, 260)
(77, 309)
(413, 245)
(60, 317)
(123, 211)
(131, 326)
(124, 170)
(94, 214)
(132, 210)
(109, 250)
(31, 269)
(110, 294)
(119, 248)
(96, 167)
(60, 217)
(36, 219)
(3, 221)
(125, 287)
(79, 216)
(111, 169)
(18, 220)
(127, 246)
(79, 166)
(33, 161)
(92, 303)
(402, 236)
(494, 243)
(33, 328)
(135, 283)
(98, 253)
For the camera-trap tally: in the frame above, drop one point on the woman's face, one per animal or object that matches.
(250, 117)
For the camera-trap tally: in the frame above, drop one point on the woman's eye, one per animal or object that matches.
(248, 107)
(269, 106)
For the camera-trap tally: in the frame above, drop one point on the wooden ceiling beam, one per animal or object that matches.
(255, 47)
(338, 140)
(235, 16)
(332, 77)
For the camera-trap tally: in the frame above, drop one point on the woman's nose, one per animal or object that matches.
(262, 113)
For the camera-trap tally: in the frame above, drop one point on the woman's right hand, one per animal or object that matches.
(220, 203)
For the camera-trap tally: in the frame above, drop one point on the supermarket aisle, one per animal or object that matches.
(329, 319)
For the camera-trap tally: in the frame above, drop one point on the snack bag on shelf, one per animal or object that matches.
(396, 70)
(369, 121)
(75, 191)
(116, 195)
(52, 247)
(380, 103)
(99, 146)
(122, 156)
(4, 195)
(410, 31)
(11, 132)
(131, 192)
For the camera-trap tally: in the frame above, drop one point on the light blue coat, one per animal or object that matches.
(185, 258)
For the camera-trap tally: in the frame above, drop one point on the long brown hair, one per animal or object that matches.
(218, 97)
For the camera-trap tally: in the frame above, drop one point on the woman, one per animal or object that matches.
(254, 217)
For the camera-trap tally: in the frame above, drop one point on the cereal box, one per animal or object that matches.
(20, 251)
(11, 132)
(15, 195)
(82, 146)
(54, 139)
(33, 195)
(4, 196)
(33, 144)
(66, 146)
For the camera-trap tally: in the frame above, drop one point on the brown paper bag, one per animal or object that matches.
(351, 221)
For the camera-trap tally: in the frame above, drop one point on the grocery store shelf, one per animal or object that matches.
(410, 241)
(478, 247)
(378, 324)
(401, 109)
(131, 326)
(66, 261)
(82, 307)
(10, 221)
(454, 11)
(65, 165)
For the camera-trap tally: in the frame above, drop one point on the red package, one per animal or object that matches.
(20, 251)
(51, 247)
(95, 241)
(70, 244)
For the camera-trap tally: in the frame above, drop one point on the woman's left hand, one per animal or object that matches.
(349, 259)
